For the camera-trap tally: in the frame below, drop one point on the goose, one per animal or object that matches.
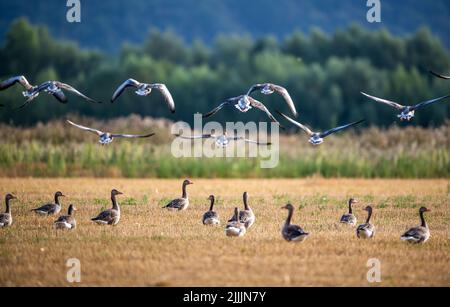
(224, 140)
(110, 216)
(367, 230)
(106, 137)
(247, 217)
(419, 234)
(317, 138)
(407, 112)
(145, 89)
(243, 103)
(292, 233)
(270, 88)
(50, 209)
(440, 76)
(182, 203)
(349, 218)
(234, 227)
(54, 88)
(66, 221)
(6, 218)
(211, 217)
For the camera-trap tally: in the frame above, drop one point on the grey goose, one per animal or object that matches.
(317, 138)
(407, 113)
(66, 222)
(246, 216)
(110, 216)
(145, 89)
(349, 218)
(292, 233)
(270, 88)
(50, 209)
(106, 137)
(6, 218)
(366, 230)
(211, 217)
(419, 234)
(224, 140)
(234, 227)
(182, 203)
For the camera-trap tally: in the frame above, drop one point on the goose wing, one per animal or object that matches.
(293, 231)
(428, 102)
(46, 208)
(388, 102)
(196, 137)
(287, 97)
(439, 76)
(337, 129)
(105, 216)
(220, 107)
(416, 233)
(60, 97)
(18, 79)
(176, 204)
(303, 127)
(167, 96)
(259, 105)
(132, 136)
(128, 83)
(98, 132)
(70, 88)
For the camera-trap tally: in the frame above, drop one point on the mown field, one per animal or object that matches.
(152, 247)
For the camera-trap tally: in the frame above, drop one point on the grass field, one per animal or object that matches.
(152, 247)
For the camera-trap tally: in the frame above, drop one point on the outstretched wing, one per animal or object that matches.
(220, 107)
(98, 132)
(303, 127)
(426, 103)
(388, 102)
(196, 137)
(18, 79)
(287, 97)
(240, 138)
(70, 88)
(255, 103)
(119, 91)
(167, 96)
(439, 76)
(334, 130)
(132, 136)
(60, 97)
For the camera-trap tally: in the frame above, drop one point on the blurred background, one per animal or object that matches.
(324, 52)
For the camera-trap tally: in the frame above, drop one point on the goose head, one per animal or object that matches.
(315, 139)
(352, 201)
(187, 182)
(243, 104)
(115, 192)
(10, 197)
(407, 115)
(368, 209)
(72, 209)
(105, 139)
(144, 90)
(59, 194)
(267, 90)
(288, 207)
(211, 198)
(423, 210)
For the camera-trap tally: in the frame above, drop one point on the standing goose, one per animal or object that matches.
(367, 230)
(224, 140)
(50, 209)
(247, 217)
(419, 234)
(269, 89)
(6, 218)
(145, 89)
(292, 233)
(243, 103)
(110, 216)
(182, 203)
(349, 218)
(211, 217)
(407, 112)
(317, 138)
(67, 221)
(106, 137)
(440, 76)
(234, 227)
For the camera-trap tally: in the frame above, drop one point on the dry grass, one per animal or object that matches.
(154, 247)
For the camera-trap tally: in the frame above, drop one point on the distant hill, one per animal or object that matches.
(108, 24)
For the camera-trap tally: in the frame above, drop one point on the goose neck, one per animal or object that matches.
(369, 217)
(422, 220)
(289, 217)
(8, 206)
(211, 208)
(114, 202)
(185, 195)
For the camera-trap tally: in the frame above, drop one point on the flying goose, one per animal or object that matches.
(6, 218)
(234, 227)
(292, 233)
(66, 221)
(211, 217)
(110, 216)
(349, 218)
(182, 203)
(145, 89)
(247, 217)
(270, 88)
(367, 230)
(440, 76)
(224, 140)
(317, 138)
(50, 209)
(407, 112)
(243, 103)
(54, 88)
(106, 137)
(419, 234)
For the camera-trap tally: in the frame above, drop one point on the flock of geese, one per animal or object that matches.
(243, 103)
(237, 225)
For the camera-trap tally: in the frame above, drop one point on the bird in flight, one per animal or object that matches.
(407, 112)
(317, 138)
(224, 140)
(106, 137)
(269, 89)
(145, 89)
